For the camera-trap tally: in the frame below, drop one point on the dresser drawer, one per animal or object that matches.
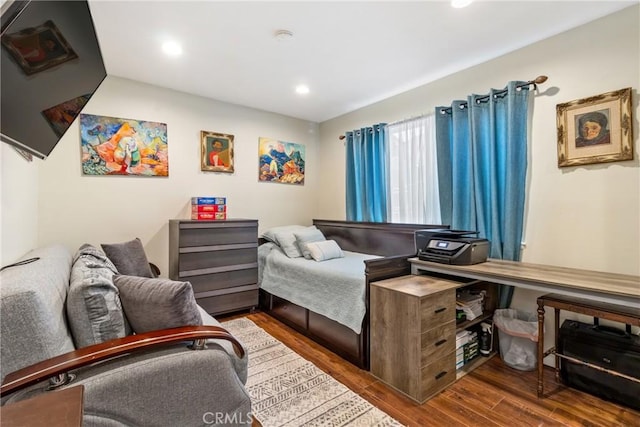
(437, 375)
(216, 234)
(204, 260)
(437, 342)
(226, 279)
(438, 309)
(229, 302)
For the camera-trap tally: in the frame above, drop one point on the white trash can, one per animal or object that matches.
(518, 336)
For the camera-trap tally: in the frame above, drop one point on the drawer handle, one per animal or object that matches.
(440, 310)
(439, 343)
(441, 374)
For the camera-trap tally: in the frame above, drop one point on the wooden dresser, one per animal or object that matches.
(219, 258)
(413, 333)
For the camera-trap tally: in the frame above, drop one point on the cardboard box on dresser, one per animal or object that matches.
(208, 208)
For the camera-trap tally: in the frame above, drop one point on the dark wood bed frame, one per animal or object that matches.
(394, 242)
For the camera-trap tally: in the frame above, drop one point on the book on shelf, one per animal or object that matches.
(208, 200)
(208, 208)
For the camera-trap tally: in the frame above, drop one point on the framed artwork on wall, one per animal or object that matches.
(216, 152)
(38, 48)
(114, 146)
(597, 129)
(280, 161)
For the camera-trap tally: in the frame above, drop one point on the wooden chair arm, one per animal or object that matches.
(95, 353)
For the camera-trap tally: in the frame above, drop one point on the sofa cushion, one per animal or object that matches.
(154, 303)
(94, 310)
(33, 327)
(241, 366)
(129, 258)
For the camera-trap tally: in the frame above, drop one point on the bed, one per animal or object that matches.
(328, 301)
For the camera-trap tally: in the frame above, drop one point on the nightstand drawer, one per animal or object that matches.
(437, 375)
(438, 342)
(438, 309)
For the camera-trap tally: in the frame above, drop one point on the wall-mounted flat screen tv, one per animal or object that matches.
(51, 65)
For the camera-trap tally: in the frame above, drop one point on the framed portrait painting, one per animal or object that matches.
(597, 129)
(216, 152)
(38, 48)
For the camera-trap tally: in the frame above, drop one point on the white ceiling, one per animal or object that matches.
(350, 54)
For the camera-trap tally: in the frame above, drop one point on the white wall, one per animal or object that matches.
(581, 217)
(73, 209)
(19, 213)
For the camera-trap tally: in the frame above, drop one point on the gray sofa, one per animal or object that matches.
(168, 384)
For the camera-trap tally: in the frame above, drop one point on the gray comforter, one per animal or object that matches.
(334, 288)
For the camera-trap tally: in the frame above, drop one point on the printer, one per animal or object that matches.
(445, 246)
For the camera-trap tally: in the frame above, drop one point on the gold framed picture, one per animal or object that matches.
(597, 129)
(217, 152)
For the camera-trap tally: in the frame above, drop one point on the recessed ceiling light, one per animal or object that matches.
(302, 89)
(283, 35)
(171, 48)
(460, 3)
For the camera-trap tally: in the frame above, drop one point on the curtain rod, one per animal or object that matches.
(535, 82)
(485, 98)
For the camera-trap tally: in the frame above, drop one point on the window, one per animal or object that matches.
(413, 172)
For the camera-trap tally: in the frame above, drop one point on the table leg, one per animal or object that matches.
(540, 346)
(556, 327)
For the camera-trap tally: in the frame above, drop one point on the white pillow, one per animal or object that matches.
(287, 242)
(325, 250)
(270, 234)
(303, 238)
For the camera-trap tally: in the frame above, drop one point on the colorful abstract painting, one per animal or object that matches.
(281, 161)
(113, 146)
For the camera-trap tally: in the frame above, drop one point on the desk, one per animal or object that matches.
(616, 313)
(62, 408)
(595, 285)
(608, 296)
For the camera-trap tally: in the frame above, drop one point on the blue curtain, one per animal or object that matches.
(366, 174)
(482, 165)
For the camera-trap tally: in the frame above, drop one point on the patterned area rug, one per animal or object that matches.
(287, 390)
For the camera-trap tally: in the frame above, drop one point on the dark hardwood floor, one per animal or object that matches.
(491, 395)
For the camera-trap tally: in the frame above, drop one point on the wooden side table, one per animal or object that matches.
(613, 312)
(61, 408)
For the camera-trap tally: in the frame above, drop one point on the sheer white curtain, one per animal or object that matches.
(413, 171)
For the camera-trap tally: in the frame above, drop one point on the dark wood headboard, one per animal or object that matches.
(376, 238)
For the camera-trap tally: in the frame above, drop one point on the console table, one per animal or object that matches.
(616, 313)
(612, 288)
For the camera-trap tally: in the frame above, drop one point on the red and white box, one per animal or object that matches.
(208, 216)
(208, 208)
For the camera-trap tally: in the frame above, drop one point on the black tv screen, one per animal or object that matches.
(51, 66)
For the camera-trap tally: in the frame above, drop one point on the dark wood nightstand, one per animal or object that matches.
(61, 408)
